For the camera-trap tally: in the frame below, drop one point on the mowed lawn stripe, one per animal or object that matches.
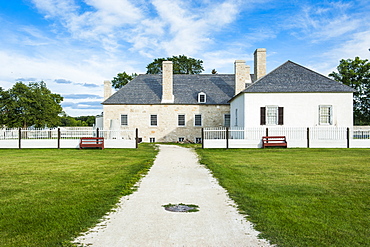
(299, 197)
(49, 196)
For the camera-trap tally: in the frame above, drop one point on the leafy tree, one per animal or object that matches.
(89, 120)
(356, 74)
(122, 79)
(29, 105)
(66, 120)
(181, 65)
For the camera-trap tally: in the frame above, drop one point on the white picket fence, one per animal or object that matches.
(313, 137)
(64, 137)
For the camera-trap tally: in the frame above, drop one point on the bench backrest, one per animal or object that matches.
(92, 139)
(274, 138)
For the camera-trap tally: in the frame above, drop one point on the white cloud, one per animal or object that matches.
(179, 28)
(154, 29)
(100, 23)
(88, 41)
(357, 46)
(324, 21)
(115, 12)
(53, 8)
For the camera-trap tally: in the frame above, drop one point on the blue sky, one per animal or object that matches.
(74, 45)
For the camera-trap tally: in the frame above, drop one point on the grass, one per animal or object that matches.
(49, 196)
(299, 197)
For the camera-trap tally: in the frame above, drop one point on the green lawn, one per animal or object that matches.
(296, 197)
(299, 197)
(48, 196)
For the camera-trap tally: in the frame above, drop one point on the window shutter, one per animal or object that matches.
(281, 116)
(263, 115)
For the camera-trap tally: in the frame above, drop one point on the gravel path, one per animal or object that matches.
(176, 177)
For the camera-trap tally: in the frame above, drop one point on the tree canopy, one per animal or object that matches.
(356, 74)
(29, 105)
(66, 120)
(122, 79)
(181, 65)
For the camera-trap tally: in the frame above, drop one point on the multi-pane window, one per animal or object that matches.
(153, 120)
(181, 139)
(198, 120)
(181, 120)
(325, 114)
(198, 139)
(152, 139)
(124, 120)
(271, 115)
(202, 98)
(227, 120)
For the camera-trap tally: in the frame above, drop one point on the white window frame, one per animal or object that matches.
(202, 97)
(272, 115)
(227, 116)
(327, 116)
(195, 120)
(151, 120)
(126, 124)
(151, 139)
(178, 120)
(181, 139)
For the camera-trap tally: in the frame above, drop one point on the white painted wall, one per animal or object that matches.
(99, 122)
(237, 107)
(300, 109)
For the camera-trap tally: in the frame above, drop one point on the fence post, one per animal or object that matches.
(227, 137)
(19, 138)
(58, 138)
(202, 136)
(267, 131)
(347, 137)
(136, 138)
(308, 137)
(97, 132)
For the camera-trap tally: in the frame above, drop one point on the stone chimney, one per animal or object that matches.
(167, 82)
(107, 89)
(242, 75)
(259, 63)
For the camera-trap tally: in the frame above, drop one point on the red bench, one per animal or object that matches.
(274, 141)
(92, 142)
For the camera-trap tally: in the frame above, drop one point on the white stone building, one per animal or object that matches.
(168, 107)
(293, 96)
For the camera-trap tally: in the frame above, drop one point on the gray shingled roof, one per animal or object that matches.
(291, 77)
(147, 89)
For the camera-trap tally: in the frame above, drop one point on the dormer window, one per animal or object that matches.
(202, 97)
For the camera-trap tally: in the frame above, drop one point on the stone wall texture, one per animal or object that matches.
(259, 63)
(167, 73)
(167, 129)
